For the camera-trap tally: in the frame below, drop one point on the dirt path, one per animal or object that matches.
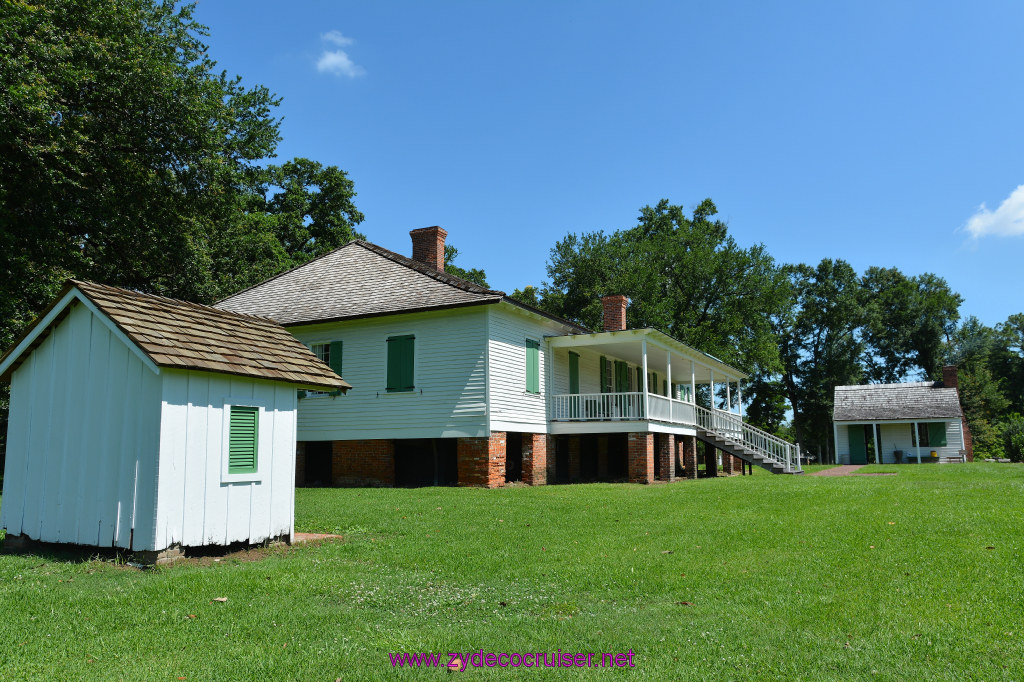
(849, 470)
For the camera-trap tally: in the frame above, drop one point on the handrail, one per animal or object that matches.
(767, 444)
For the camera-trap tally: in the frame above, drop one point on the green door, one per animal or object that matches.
(858, 452)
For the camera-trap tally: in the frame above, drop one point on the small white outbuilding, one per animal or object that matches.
(151, 424)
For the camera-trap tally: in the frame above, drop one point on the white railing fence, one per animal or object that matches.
(630, 407)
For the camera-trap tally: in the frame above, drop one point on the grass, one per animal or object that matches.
(914, 576)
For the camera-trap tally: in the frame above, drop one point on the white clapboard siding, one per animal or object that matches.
(512, 408)
(899, 437)
(71, 472)
(590, 370)
(450, 377)
(195, 505)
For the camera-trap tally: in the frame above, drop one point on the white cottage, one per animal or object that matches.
(150, 424)
(907, 422)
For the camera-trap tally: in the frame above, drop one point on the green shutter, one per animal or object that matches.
(336, 356)
(605, 385)
(243, 439)
(401, 367)
(936, 434)
(574, 373)
(532, 366)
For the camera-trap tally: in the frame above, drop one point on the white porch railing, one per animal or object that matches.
(630, 407)
(734, 428)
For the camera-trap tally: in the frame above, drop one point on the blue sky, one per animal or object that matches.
(872, 132)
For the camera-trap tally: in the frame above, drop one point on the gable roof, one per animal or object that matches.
(182, 335)
(358, 280)
(883, 402)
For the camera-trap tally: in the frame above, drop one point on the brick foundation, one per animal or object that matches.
(737, 465)
(641, 458)
(688, 452)
(726, 463)
(574, 459)
(357, 463)
(666, 451)
(535, 458)
(481, 461)
(710, 460)
(300, 463)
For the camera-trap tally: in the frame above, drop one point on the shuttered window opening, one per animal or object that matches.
(330, 353)
(336, 354)
(401, 353)
(574, 373)
(606, 375)
(532, 366)
(243, 440)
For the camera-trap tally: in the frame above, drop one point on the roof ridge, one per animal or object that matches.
(423, 268)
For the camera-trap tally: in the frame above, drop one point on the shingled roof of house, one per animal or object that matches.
(182, 335)
(885, 402)
(361, 279)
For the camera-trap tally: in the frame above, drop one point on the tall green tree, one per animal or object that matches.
(474, 275)
(683, 274)
(819, 337)
(127, 157)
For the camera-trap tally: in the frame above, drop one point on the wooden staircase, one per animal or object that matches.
(730, 434)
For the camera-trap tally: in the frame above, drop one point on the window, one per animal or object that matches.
(930, 435)
(606, 375)
(243, 440)
(330, 353)
(401, 353)
(574, 373)
(532, 366)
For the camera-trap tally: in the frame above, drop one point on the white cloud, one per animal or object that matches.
(335, 37)
(337, 62)
(1005, 221)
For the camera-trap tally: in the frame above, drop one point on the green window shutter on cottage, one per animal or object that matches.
(401, 353)
(606, 384)
(532, 366)
(243, 440)
(936, 435)
(574, 373)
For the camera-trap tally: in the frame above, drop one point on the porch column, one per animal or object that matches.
(712, 374)
(739, 390)
(917, 439)
(879, 453)
(640, 456)
(693, 383)
(668, 354)
(835, 444)
(667, 454)
(647, 407)
(728, 395)
(689, 448)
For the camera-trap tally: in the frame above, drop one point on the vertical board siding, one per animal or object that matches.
(196, 507)
(70, 474)
(449, 368)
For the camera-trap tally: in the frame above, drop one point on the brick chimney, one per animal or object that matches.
(614, 312)
(428, 246)
(949, 377)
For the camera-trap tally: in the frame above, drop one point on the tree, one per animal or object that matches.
(684, 275)
(907, 320)
(971, 347)
(820, 345)
(476, 275)
(125, 157)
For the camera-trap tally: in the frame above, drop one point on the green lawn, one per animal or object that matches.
(907, 577)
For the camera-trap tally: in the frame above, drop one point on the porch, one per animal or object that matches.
(642, 380)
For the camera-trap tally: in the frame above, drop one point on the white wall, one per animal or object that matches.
(82, 439)
(450, 369)
(898, 437)
(196, 506)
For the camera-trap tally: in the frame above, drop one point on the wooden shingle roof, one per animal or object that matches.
(885, 402)
(359, 279)
(183, 335)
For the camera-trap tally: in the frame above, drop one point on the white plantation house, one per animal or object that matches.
(459, 384)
